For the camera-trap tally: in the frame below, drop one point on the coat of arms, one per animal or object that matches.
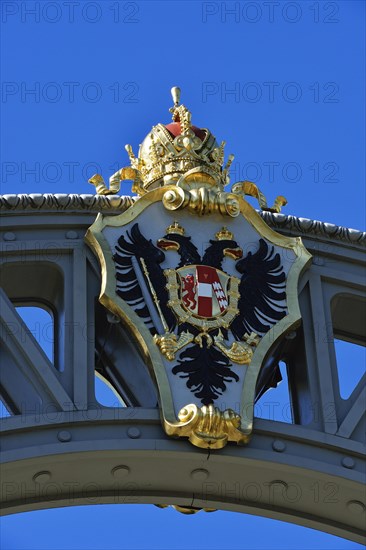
(199, 278)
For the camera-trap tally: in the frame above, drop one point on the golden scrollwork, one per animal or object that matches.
(208, 427)
(249, 188)
(187, 510)
(126, 173)
(202, 201)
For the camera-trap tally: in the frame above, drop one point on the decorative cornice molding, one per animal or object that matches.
(304, 226)
(115, 204)
(59, 202)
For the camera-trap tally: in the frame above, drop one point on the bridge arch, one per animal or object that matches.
(61, 440)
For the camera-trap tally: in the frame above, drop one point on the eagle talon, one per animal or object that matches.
(169, 345)
(239, 352)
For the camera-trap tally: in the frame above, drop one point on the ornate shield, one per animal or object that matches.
(203, 291)
(199, 294)
(202, 282)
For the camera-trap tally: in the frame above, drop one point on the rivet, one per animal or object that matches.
(120, 471)
(64, 436)
(9, 236)
(348, 462)
(356, 507)
(133, 433)
(42, 477)
(278, 446)
(71, 235)
(113, 319)
(200, 474)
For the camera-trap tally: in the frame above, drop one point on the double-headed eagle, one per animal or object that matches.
(255, 298)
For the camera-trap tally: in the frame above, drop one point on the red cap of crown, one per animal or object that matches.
(175, 130)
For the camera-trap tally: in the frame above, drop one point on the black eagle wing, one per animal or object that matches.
(133, 253)
(262, 290)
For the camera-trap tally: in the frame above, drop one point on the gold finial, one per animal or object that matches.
(130, 152)
(175, 91)
(224, 235)
(175, 228)
(229, 163)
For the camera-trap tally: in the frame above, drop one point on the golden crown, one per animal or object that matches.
(171, 150)
(175, 228)
(189, 160)
(224, 235)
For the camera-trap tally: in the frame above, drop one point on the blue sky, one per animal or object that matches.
(281, 82)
